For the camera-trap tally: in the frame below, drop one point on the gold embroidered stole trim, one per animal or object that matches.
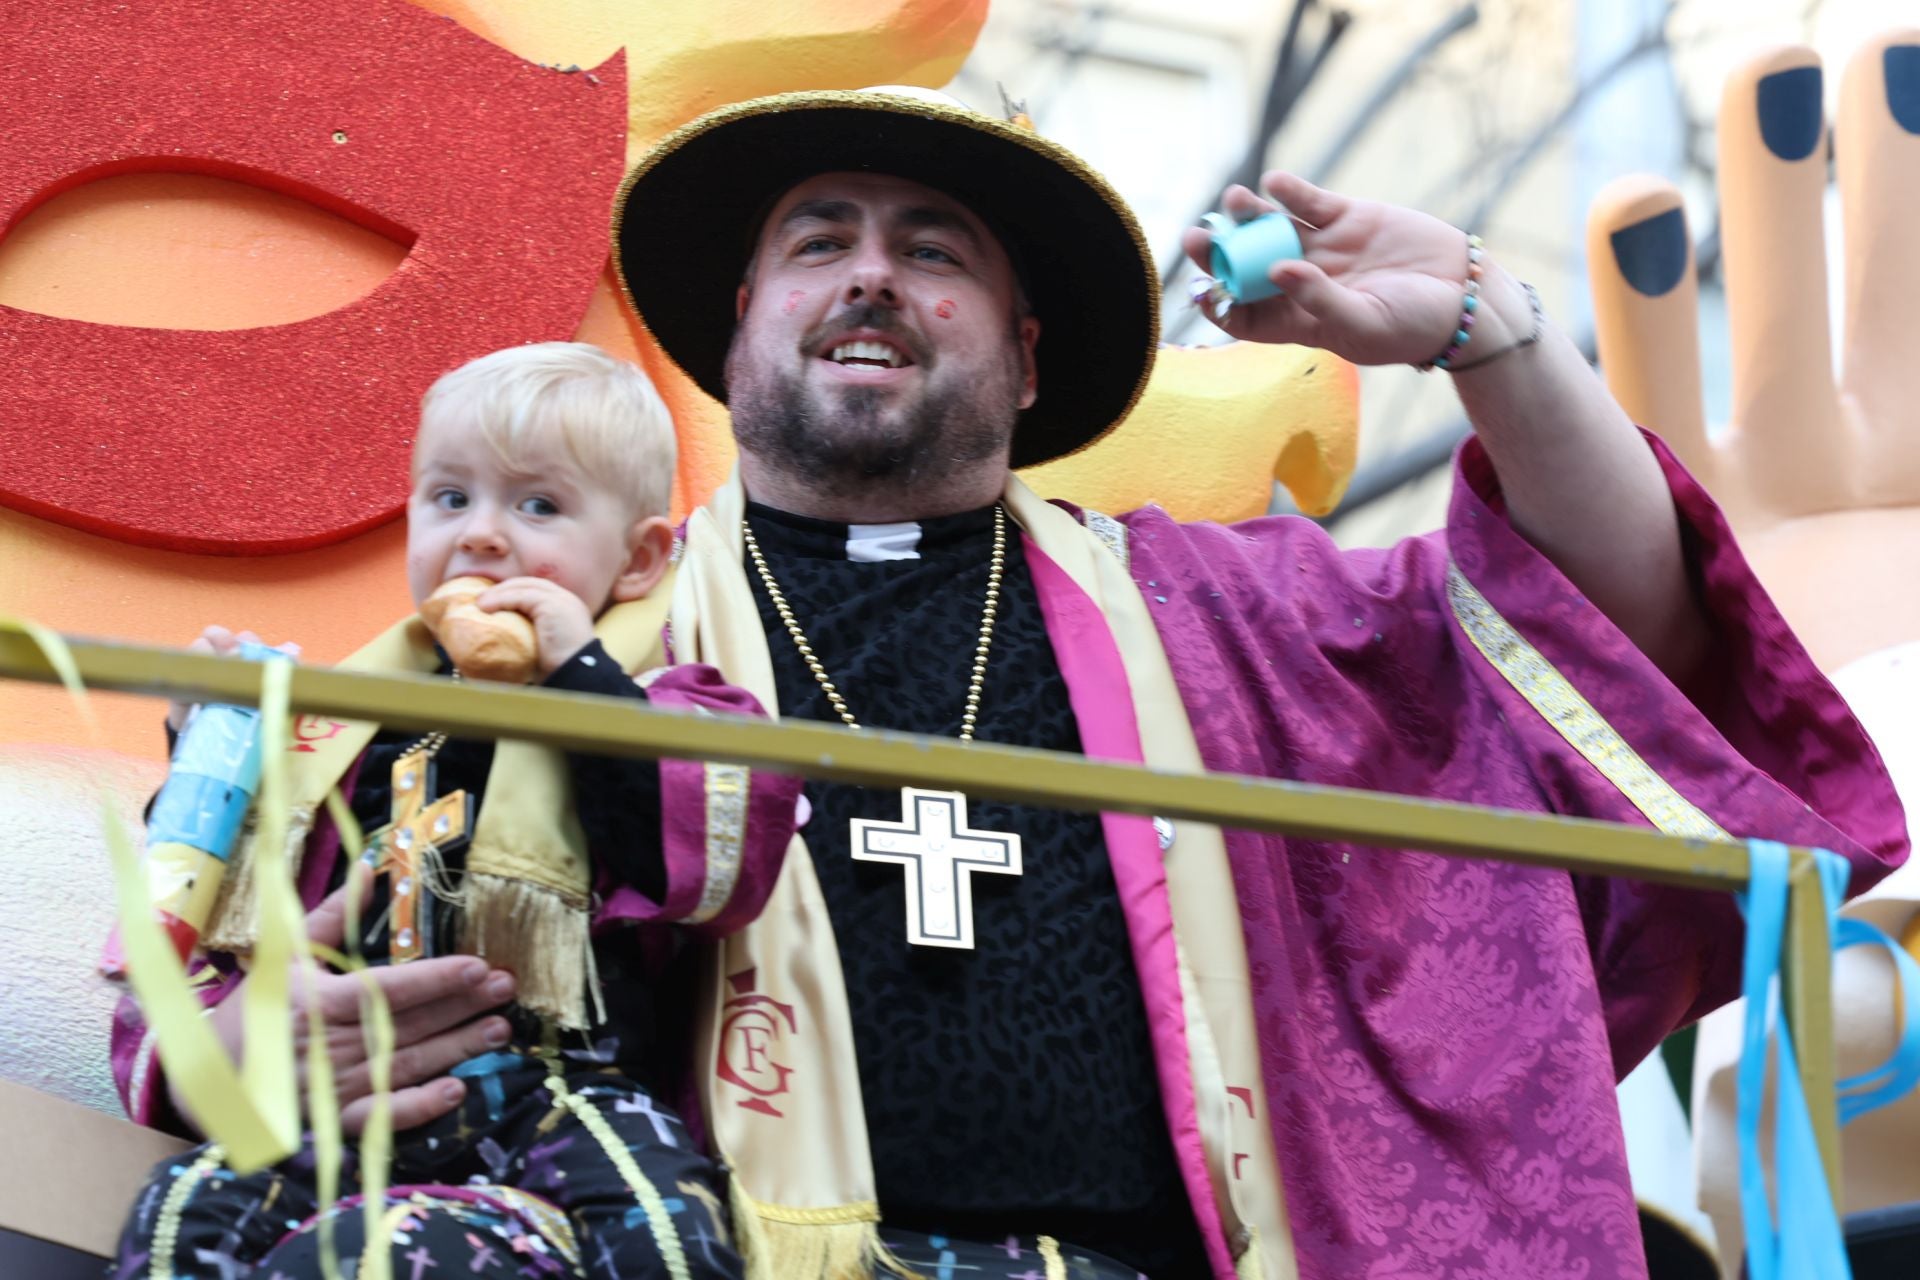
(775, 1040)
(1563, 706)
(726, 786)
(143, 1058)
(1112, 535)
(1223, 1051)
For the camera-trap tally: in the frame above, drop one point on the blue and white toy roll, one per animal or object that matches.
(1243, 251)
(215, 775)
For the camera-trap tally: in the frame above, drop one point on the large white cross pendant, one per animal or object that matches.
(940, 853)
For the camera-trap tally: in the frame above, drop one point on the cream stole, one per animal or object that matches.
(528, 886)
(778, 1082)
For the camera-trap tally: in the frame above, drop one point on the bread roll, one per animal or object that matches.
(484, 646)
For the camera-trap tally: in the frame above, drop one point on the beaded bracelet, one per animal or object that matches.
(1539, 331)
(1463, 333)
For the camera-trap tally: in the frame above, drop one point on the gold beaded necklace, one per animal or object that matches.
(932, 841)
(429, 746)
(994, 574)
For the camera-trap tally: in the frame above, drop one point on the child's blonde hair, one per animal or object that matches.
(605, 410)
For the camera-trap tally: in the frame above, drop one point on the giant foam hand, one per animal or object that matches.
(1819, 473)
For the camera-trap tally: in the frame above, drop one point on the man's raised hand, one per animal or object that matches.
(1378, 284)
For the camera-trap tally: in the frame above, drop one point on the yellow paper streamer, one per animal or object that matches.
(267, 1065)
(376, 1140)
(376, 1023)
(323, 1114)
(323, 1104)
(352, 845)
(253, 1114)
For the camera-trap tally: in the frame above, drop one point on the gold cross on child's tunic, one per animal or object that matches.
(400, 850)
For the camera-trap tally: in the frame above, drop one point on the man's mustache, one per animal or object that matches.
(865, 315)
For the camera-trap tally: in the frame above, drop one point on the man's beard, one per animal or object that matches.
(847, 438)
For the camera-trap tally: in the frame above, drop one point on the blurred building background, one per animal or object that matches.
(1505, 117)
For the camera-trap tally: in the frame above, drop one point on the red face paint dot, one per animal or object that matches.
(945, 309)
(794, 299)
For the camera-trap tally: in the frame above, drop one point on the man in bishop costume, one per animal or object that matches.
(1042, 1043)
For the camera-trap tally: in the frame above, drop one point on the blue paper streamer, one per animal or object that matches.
(1805, 1241)
(1900, 1073)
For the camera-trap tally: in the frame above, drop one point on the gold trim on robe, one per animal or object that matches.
(1572, 716)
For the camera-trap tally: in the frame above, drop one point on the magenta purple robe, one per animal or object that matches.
(1441, 1037)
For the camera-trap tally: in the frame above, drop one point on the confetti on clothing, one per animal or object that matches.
(510, 1184)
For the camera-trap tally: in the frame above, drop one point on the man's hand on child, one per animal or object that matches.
(561, 623)
(437, 1006)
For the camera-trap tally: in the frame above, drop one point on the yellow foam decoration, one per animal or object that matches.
(1216, 428)
(685, 57)
(254, 1114)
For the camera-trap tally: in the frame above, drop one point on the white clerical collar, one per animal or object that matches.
(785, 533)
(872, 543)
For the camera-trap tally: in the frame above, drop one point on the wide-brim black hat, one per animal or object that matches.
(685, 220)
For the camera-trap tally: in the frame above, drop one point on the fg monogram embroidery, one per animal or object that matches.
(309, 729)
(751, 1028)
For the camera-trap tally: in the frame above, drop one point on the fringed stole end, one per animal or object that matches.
(1247, 1266)
(539, 935)
(837, 1243)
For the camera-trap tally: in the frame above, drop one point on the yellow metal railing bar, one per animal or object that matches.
(607, 726)
(1807, 999)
